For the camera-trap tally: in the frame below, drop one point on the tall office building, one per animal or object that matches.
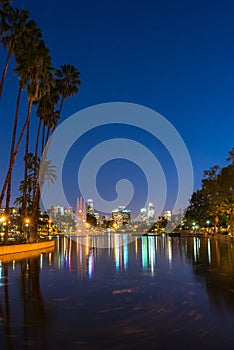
(117, 217)
(56, 211)
(68, 212)
(97, 216)
(144, 215)
(151, 213)
(167, 215)
(126, 214)
(121, 216)
(90, 208)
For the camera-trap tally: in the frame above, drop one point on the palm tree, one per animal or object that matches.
(68, 82)
(46, 110)
(29, 36)
(8, 193)
(6, 11)
(17, 32)
(46, 87)
(33, 67)
(39, 63)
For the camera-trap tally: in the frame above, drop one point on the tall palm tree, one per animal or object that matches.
(8, 191)
(46, 109)
(39, 71)
(68, 82)
(17, 32)
(33, 66)
(29, 36)
(6, 11)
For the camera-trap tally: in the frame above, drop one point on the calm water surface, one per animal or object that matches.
(153, 293)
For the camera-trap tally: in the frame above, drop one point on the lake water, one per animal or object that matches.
(152, 293)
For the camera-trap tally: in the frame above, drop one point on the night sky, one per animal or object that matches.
(175, 57)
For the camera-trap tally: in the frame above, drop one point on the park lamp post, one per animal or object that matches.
(208, 225)
(27, 224)
(49, 227)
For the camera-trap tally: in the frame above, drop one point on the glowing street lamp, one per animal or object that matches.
(27, 221)
(115, 225)
(27, 224)
(3, 219)
(49, 226)
(208, 224)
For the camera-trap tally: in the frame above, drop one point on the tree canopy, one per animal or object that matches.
(214, 202)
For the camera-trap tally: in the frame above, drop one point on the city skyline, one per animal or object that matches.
(88, 208)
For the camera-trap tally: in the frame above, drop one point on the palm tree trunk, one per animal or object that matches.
(47, 136)
(61, 105)
(13, 158)
(35, 218)
(36, 171)
(38, 136)
(8, 196)
(5, 70)
(43, 138)
(25, 188)
(7, 212)
(232, 222)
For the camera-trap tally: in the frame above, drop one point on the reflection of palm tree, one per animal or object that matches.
(33, 304)
(6, 315)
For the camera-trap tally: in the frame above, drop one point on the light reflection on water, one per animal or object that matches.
(155, 292)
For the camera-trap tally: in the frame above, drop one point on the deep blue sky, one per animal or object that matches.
(176, 57)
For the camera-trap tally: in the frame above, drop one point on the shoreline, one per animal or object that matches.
(25, 248)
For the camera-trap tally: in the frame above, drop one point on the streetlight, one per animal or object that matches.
(208, 224)
(2, 218)
(27, 224)
(49, 226)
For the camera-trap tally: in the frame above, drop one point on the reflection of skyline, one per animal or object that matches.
(147, 253)
(82, 255)
(135, 284)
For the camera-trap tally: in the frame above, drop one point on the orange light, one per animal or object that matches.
(3, 218)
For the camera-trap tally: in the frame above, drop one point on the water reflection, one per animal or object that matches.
(203, 252)
(132, 293)
(23, 314)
